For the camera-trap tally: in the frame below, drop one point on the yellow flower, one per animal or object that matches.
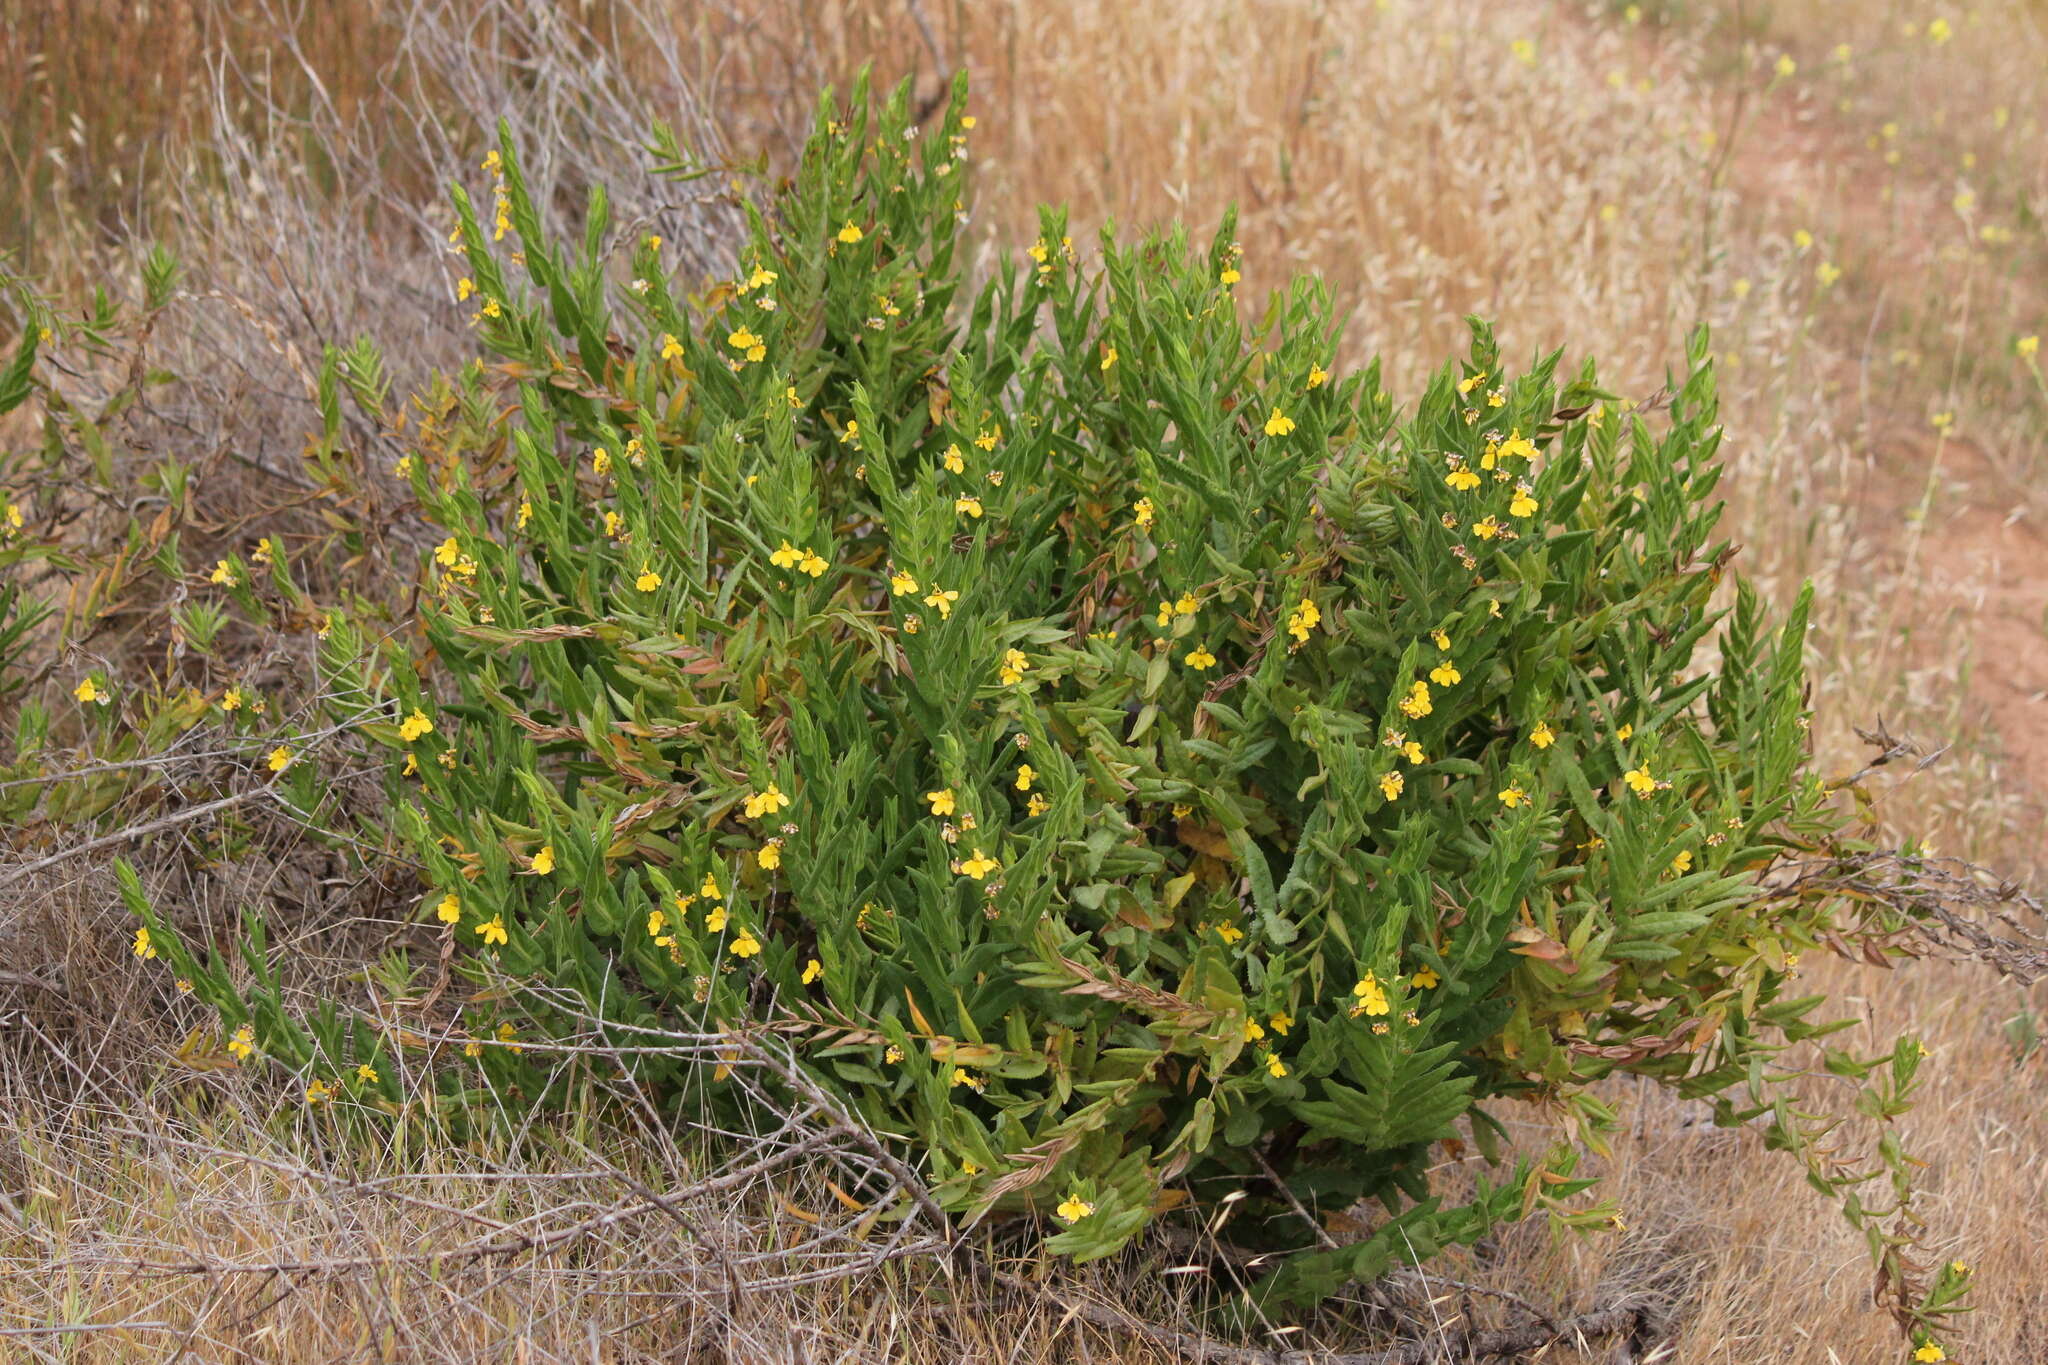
(962, 1076)
(1413, 752)
(1317, 376)
(1371, 997)
(1541, 736)
(955, 462)
(464, 287)
(367, 1074)
(942, 801)
(1524, 50)
(812, 971)
(231, 700)
(264, 551)
(1442, 640)
(1274, 1066)
(1391, 785)
(143, 947)
(1199, 658)
(715, 919)
(1785, 67)
(967, 506)
(243, 1044)
(744, 340)
(746, 945)
(1445, 674)
(492, 931)
(600, 462)
(787, 556)
(770, 855)
(544, 861)
(1512, 797)
(1186, 605)
(447, 553)
(319, 1092)
(987, 439)
(1930, 1353)
(1827, 272)
(1037, 805)
(1486, 529)
(525, 514)
(223, 574)
(1624, 733)
(1639, 780)
(657, 920)
(472, 1049)
(1462, 479)
(1303, 619)
(2028, 345)
(979, 866)
(449, 911)
(1802, 239)
(1229, 275)
(1253, 1031)
(902, 584)
(280, 759)
(648, 580)
(1141, 512)
(1517, 446)
(506, 1033)
(1416, 704)
(492, 308)
(1280, 1021)
(850, 233)
(1523, 505)
(1939, 32)
(1108, 356)
(943, 599)
(1425, 978)
(765, 802)
(812, 565)
(1229, 933)
(1026, 775)
(671, 349)
(1279, 424)
(414, 726)
(1682, 864)
(1471, 382)
(1013, 666)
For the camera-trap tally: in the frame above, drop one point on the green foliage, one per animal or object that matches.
(1124, 758)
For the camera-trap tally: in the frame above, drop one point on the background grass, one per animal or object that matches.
(1593, 176)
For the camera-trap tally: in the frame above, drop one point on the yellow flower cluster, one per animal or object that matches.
(806, 560)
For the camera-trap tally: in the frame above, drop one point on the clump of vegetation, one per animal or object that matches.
(1128, 760)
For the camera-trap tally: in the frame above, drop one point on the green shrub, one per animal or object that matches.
(1120, 756)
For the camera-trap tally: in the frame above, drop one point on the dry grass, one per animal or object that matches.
(1631, 178)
